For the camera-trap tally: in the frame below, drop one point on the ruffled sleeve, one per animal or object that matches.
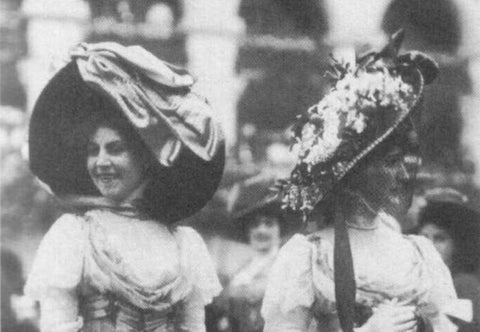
(290, 294)
(441, 297)
(59, 259)
(197, 264)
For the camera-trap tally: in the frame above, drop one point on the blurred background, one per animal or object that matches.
(260, 63)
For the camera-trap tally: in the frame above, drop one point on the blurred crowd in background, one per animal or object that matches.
(260, 63)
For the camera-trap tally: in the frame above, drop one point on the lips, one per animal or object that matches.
(262, 237)
(106, 178)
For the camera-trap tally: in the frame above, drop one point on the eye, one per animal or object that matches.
(269, 222)
(116, 148)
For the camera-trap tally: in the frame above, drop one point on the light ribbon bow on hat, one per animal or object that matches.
(154, 96)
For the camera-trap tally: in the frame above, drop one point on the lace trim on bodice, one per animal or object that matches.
(410, 288)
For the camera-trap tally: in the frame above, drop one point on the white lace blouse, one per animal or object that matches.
(140, 260)
(301, 285)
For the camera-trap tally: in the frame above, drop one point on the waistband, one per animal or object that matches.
(106, 306)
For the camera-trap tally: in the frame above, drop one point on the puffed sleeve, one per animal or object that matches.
(55, 274)
(289, 295)
(199, 269)
(441, 295)
(59, 259)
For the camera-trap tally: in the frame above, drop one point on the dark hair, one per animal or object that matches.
(248, 220)
(463, 226)
(161, 179)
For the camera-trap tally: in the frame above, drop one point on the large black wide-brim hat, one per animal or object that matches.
(66, 101)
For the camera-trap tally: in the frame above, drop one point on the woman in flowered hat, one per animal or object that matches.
(454, 230)
(123, 141)
(358, 156)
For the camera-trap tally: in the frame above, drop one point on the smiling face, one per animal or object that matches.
(112, 166)
(264, 233)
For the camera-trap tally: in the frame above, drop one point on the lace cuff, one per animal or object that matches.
(290, 280)
(59, 259)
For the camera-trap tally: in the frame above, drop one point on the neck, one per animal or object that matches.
(264, 253)
(363, 223)
(382, 218)
(360, 214)
(135, 194)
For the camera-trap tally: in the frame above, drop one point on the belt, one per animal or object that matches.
(126, 316)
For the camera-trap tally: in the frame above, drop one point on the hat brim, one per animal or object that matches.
(415, 78)
(56, 115)
(418, 87)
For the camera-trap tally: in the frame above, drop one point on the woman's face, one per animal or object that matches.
(387, 183)
(112, 166)
(264, 233)
(442, 241)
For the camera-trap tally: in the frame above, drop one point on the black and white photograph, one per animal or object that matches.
(240, 165)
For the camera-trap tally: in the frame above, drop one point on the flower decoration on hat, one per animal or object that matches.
(366, 103)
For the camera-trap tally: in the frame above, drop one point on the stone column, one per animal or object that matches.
(353, 24)
(214, 31)
(53, 28)
(469, 16)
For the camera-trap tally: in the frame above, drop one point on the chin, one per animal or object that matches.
(261, 247)
(111, 195)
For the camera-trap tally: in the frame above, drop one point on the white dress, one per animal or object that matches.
(139, 261)
(300, 295)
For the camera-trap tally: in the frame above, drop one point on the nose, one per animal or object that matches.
(262, 227)
(103, 160)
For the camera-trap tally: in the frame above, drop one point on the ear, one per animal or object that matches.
(425, 64)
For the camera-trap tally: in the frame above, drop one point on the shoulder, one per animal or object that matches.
(425, 247)
(306, 250)
(429, 254)
(59, 259)
(69, 227)
(185, 233)
(68, 223)
(290, 282)
(197, 263)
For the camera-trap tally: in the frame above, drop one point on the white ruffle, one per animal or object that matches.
(290, 283)
(197, 263)
(59, 259)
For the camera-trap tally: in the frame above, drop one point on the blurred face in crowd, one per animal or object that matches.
(387, 181)
(264, 233)
(442, 241)
(112, 166)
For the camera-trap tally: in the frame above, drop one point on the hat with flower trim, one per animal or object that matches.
(367, 102)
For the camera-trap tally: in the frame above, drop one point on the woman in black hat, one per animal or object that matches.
(357, 159)
(454, 230)
(122, 140)
(261, 223)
